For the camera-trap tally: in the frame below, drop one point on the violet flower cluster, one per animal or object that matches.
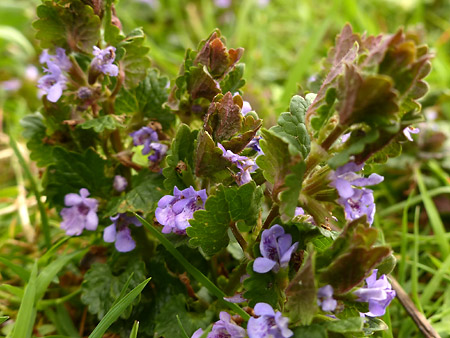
(148, 137)
(81, 213)
(245, 165)
(120, 183)
(276, 248)
(174, 212)
(54, 81)
(223, 328)
(119, 233)
(378, 293)
(270, 324)
(410, 130)
(325, 298)
(356, 200)
(103, 61)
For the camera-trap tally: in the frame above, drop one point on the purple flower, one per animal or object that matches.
(325, 298)
(226, 328)
(276, 250)
(81, 214)
(103, 61)
(410, 130)
(269, 324)
(120, 183)
(60, 60)
(244, 164)
(144, 136)
(222, 3)
(300, 212)
(254, 144)
(237, 298)
(357, 201)
(53, 83)
(174, 212)
(119, 232)
(378, 294)
(158, 151)
(198, 333)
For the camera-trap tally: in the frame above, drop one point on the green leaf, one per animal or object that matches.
(224, 118)
(21, 272)
(3, 319)
(196, 273)
(250, 126)
(147, 99)
(86, 170)
(145, 194)
(209, 227)
(101, 123)
(112, 33)
(234, 81)
(117, 310)
(135, 62)
(178, 172)
(67, 24)
(311, 331)
(354, 324)
(291, 126)
(34, 131)
(209, 161)
(102, 286)
(166, 320)
(23, 326)
(283, 169)
(261, 287)
(372, 325)
(301, 294)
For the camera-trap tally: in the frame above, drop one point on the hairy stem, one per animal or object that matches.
(237, 234)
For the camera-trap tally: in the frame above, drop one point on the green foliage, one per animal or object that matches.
(102, 286)
(283, 169)
(147, 100)
(354, 324)
(101, 123)
(34, 131)
(178, 172)
(352, 256)
(142, 198)
(67, 24)
(310, 331)
(209, 228)
(86, 170)
(301, 294)
(291, 126)
(209, 161)
(135, 62)
(117, 310)
(261, 287)
(234, 81)
(167, 318)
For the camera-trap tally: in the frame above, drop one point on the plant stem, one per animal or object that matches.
(237, 234)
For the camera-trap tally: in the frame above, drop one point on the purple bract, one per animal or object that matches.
(378, 293)
(174, 212)
(325, 298)
(270, 324)
(145, 136)
(357, 201)
(158, 150)
(276, 250)
(81, 213)
(244, 164)
(119, 233)
(103, 61)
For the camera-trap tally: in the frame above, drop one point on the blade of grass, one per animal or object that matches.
(45, 257)
(415, 200)
(27, 312)
(62, 321)
(404, 242)
(387, 320)
(197, 274)
(3, 319)
(183, 331)
(124, 290)
(17, 269)
(433, 215)
(34, 187)
(414, 274)
(50, 271)
(134, 330)
(433, 285)
(437, 170)
(115, 311)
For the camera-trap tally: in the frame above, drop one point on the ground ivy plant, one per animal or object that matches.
(245, 230)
